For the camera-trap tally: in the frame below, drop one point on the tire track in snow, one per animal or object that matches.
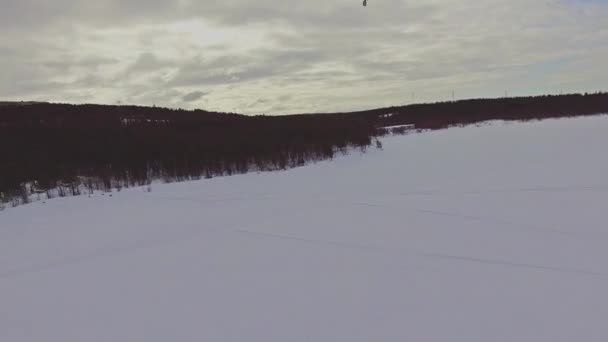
(306, 240)
(110, 252)
(515, 264)
(149, 244)
(482, 219)
(547, 189)
(102, 253)
(460, 258)
(520, 226)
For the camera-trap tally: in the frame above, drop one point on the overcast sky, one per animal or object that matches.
(270, 56)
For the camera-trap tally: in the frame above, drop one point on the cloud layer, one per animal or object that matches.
(298, 56)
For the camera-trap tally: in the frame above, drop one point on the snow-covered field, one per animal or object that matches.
(494, 233)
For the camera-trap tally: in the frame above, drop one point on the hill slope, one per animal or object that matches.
(493, 233)
(50, 150)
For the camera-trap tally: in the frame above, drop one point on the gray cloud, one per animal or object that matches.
(193, 96)
(317, 55)
(24, 14)
(312, 13)
(148, 61)
(257, 64)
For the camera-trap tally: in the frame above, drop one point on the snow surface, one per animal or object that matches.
(494, 233)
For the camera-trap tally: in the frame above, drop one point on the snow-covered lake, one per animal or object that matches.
(494, 233)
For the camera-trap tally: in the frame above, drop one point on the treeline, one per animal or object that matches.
(60, 150)
(52, 150)
(465, 112)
